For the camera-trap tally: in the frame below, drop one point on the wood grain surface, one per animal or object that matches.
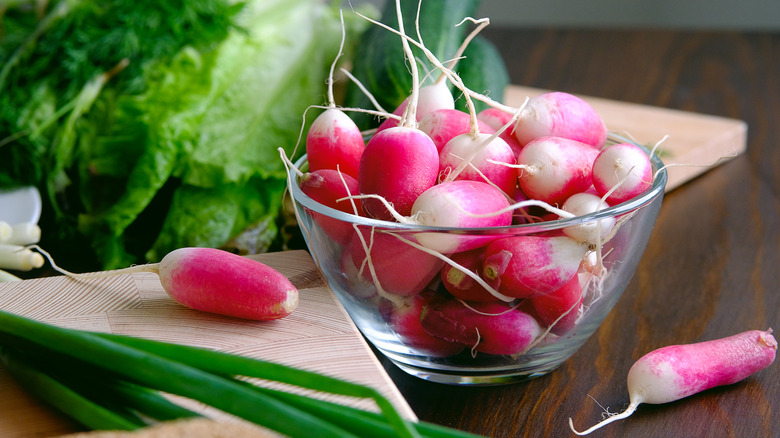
(711, 269)
(317, 336)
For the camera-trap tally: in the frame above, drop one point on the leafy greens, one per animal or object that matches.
(154, 124)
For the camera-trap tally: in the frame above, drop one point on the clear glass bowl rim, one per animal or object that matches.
(656, 190)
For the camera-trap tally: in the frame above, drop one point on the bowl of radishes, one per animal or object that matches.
(464, 267)
(475, 247)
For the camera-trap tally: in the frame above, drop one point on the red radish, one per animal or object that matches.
(624, 167)
(560, 309)
(390, 264)
(398, 164)
(496, 119)
(443, 125)
(678, 371)
(554, 168)
(461, 285)
(405, 320)
(490, 328)
(460, 203)
(330, 188)
(560, 114)
(479, 157)
(334, 141)
(217, 281)
(525, 266)
(592, 231)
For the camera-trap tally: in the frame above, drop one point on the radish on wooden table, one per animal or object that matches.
(623, 171)
(216, 281)
(558, 114)
(678, 371)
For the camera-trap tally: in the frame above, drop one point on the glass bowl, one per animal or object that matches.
(391, 293)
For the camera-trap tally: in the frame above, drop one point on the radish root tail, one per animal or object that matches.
(629, 410)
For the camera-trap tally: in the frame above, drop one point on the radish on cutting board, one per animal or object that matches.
(678, 371)
(217, 281)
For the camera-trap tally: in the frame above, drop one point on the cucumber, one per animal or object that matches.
(379, 62)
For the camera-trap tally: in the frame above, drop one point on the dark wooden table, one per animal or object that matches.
(711, 269)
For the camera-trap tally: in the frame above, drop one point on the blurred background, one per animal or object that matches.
(759, 15)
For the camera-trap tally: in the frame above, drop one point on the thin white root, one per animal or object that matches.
(711, 164)
(367, 262)
(150, 267)
(629, 410)
(331, 99)
(519, 205)
(397, 216)
(455, 265)
(365, 91)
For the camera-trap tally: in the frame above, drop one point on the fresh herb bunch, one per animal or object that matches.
(151, 125)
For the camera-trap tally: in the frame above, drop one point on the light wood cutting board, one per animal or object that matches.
(318, 336)
(694, 139)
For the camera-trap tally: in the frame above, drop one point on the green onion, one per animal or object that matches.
(233, 365)
(120, 379)
(62, 397)
(170, 376)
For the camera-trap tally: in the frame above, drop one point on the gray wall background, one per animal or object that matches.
(757, 15)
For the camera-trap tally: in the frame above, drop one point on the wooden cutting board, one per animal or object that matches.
(697, 140)
(318, 336)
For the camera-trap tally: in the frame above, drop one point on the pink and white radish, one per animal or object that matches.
(334, 141)
(551, 169)
(398, 164)
(559, 309)
(496, 118)
(623, 170)
(405, 318)
(678, 371)
(525, 266)
(460, 204)
(216, 281)
(401, 162)
(593, 231)
(332, 189)
(479, 157)
(431, 98)
(391, 264)
(461, 285)
(443, 125)
(490, 328)
(558, 114)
